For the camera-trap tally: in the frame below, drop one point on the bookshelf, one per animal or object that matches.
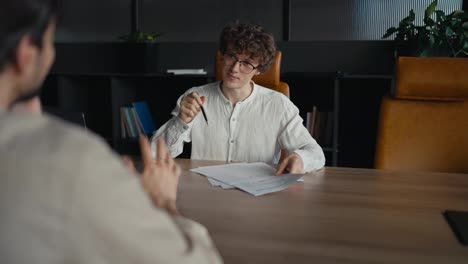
(353, 101)
(100, 96)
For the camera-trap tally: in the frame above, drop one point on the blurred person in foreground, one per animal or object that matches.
(65, 197)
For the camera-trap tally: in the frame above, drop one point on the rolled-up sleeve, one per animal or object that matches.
(174, 132)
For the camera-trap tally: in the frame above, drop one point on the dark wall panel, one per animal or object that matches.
(178, 20)
(202, 21)
(181, 20)
(93, 20)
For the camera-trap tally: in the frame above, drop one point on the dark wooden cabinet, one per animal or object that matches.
(100, 96)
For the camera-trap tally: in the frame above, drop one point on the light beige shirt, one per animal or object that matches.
(66, 198)
(254, 130)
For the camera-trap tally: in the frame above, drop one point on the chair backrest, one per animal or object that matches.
(424, 125)
(269, 79)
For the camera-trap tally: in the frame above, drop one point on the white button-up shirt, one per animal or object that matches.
(254, 130)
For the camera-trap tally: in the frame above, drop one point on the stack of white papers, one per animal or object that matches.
(254, 178)
(186, 71)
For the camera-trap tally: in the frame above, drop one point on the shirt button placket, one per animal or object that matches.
(232, 128)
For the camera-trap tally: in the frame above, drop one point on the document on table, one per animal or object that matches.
(255, 178)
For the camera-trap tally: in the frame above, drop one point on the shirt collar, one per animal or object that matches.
(248, 99)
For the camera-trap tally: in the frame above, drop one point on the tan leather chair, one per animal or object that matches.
(269, 79)
(424, 126)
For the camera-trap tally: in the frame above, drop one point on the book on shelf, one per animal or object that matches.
(130, 125)
(143, 115)
(123, 124)
(136, 120)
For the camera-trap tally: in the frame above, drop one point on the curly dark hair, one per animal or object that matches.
(238, 38)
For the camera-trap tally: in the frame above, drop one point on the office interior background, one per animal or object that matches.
(317, 39)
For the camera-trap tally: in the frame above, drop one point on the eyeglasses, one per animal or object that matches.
(244, 66)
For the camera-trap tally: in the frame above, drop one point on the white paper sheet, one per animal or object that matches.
(220, 184)
(254, 178)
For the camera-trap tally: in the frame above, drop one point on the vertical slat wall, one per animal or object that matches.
(371, 18)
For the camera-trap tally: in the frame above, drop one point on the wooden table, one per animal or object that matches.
(337, 215)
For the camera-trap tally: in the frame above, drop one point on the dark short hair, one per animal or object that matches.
(23, 17)
(250, 38)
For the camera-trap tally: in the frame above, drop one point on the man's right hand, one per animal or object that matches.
(190, 107)
(160, 177)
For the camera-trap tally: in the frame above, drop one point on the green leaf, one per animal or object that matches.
(429, 21)
(458, 13)
(440, 15)
(412, 15)
(140, 37)
(432, 41)
(449, 32)
(389, 32)
(409, 19)
(425, 53)
(465, 25)
(430, 9)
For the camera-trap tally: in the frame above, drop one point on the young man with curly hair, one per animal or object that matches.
(247, 122)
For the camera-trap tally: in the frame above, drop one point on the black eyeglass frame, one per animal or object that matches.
(235, 60)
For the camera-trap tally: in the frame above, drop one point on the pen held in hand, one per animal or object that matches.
(204, 114)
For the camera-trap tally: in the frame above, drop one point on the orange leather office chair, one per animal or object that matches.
(269, 79)
(424, 126)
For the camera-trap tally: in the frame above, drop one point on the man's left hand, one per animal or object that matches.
(291, 164)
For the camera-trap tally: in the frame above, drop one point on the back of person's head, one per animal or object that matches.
(241, 38)
(23, 17)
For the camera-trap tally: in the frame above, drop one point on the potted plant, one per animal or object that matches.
(140, 37)
(444, 36)
(138, 50)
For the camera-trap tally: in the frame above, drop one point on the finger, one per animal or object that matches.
(187, 112)
(197, 98)
(183, 101)
(281, 167)
(298, 169)
(158, 202)
(203, 99)
(176, 170)
(294, 168)
(297, 166)
(128, 162)
(163, 153)
(169, 160)
(145, 149)
(193, 107)
(187, 105)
